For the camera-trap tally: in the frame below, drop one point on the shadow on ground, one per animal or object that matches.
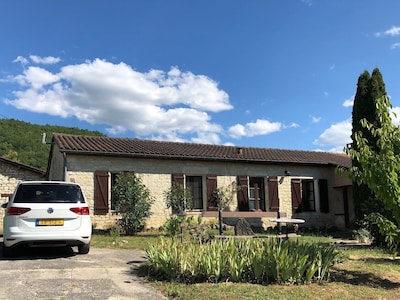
(27, 253)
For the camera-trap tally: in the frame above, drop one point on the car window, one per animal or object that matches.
(49, 193)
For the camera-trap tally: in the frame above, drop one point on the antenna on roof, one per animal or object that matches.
(44, 139)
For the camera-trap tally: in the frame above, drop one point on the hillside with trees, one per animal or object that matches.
(22, 142)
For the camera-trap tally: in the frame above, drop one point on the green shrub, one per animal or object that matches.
(178, 198)
(245, 260)
(133, 201)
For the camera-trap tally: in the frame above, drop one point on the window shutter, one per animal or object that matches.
(178, 178)
(296, 194)
(242, 194)
(323, 195)
(273, 193)
(211, 187)
(101, 193)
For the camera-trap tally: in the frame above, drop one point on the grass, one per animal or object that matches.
(110, 240)
(366, 273)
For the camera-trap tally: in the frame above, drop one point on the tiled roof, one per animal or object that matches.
(100, 145)
(21, 166)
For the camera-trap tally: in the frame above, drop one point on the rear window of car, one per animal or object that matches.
(49, 193)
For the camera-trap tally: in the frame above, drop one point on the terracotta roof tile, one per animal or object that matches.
(101, 145)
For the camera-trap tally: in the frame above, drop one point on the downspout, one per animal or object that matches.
(65, 166)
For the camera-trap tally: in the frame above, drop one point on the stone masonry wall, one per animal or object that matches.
(10, 175)
(156, 175)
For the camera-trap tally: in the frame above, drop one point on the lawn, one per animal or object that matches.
(365, 273)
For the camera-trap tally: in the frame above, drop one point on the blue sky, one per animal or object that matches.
(261, 73)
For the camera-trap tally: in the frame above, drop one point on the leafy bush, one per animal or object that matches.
(173, 226)
(246, 260)
(178, 198)
(133, 201)
(187, 227)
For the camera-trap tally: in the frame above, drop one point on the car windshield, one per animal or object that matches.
(49, 193)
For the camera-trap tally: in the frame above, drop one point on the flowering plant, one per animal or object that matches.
(224, 195)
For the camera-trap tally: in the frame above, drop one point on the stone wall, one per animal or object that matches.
(10, 175)
(156, 175)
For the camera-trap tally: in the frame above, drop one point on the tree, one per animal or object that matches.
(133, 201)
(378, 167)
(178, 198)
(369, 89)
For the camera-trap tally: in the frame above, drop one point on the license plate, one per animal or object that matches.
(50, 222)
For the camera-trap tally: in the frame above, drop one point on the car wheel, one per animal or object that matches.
(84, 249)
(6, 251)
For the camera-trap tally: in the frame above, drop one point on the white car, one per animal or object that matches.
(47, 213)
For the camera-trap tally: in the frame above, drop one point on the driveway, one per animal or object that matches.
(60, 273)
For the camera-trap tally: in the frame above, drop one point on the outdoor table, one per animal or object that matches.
(279, 221)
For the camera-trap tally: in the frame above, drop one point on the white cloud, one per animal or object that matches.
(394, 31)
(315, 119)
(395, 46)
(260, 127)
(21, 60)
(48, 60)
(36, 78)
(395, 114)
(292, 125)
(167, 105)
(348, 102)
(337, 136)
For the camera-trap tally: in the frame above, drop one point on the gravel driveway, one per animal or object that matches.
(60, 273)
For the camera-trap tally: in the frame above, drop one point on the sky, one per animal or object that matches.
(251, 73)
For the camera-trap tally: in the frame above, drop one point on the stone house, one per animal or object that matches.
(11, 172)
(298, 184)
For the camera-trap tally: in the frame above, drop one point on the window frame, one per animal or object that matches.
(200, 190)
(304, 198)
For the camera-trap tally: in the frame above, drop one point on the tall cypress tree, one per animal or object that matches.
(369, 89)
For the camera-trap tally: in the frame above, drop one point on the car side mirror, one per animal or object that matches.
(4, 205)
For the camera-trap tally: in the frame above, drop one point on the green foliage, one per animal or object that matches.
(173, 226)
(21, 141)
(224, 195)
(188, 228)
(363, 232)
(369, 89)
(378, 167)
(245, 260)
(178, 198)
(133, 201)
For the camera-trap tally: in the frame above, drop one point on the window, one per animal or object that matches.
(251, 195)
(195, 183)
(303, 195)
(103, 190)
(256, 193)
(308, 195)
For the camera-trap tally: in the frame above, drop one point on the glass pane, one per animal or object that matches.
(196, 187)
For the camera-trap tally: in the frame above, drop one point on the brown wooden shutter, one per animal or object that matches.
(178, 178)
(211, 180)
(323, 195)
(101, 192)
(243, 194)
(296, 194)
(273, 193)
